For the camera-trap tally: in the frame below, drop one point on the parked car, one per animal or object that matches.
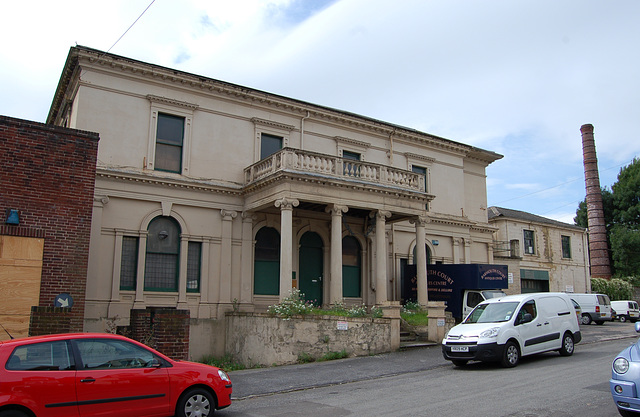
(506, 328)
(595, 307)
(98, 374)
(626, 310)
(625, 377)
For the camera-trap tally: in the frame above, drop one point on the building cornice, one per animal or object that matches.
(83, 56)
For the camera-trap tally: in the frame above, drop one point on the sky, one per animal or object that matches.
(516, 77)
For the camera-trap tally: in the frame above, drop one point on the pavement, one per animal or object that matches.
(278, 379)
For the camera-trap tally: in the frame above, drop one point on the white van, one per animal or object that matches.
(595, 307)
(626, 310)
(507, 328)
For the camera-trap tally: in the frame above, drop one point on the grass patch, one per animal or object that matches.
(227, 362)
(330, 356)
(414, 314)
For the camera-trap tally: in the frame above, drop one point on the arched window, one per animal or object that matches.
(266, 271)
(163, 255)
(351, 270)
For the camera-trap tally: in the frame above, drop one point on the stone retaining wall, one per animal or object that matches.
(262, 339)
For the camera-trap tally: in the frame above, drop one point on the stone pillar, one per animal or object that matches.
(456, 250)
(286, 244)
(381, 256)
(421, 259)
(182, 272)
(142, 256)
(391, 310)
(598, 247)
(335, 280)
(246, 264)
(437, 321)
(467, 250)
(225, 255)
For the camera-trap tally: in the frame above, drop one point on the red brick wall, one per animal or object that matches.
(47, 173)
(166, 330)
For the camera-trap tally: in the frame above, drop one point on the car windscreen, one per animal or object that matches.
(492, 313)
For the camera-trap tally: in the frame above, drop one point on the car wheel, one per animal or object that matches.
(511, 355)
(459, 362)
(195, 402)
(623, 319)
(586, 319)
(567, 345)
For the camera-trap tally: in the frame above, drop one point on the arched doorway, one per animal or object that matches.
(311, 267)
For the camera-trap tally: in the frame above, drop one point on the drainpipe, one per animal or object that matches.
(302, 130)
(391, 147)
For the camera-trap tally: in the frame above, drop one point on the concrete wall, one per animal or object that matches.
(261, 339)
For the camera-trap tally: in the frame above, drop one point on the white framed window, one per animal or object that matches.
(351, 149)
(420, 164)
(270, 137)
(169, 145)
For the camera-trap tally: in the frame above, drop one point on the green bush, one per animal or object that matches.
(615, 288)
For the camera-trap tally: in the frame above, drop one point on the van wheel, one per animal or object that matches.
(586, 319)
(511, 355)
(600, 322)
(567, 345)
(459, 362)
(622, 319)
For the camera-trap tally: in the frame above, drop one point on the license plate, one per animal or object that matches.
(459, 348)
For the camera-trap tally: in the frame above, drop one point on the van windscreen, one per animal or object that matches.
(492, 313)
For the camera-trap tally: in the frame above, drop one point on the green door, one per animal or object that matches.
(311, 267)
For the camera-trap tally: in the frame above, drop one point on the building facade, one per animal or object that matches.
(542, 254)
(213, 197)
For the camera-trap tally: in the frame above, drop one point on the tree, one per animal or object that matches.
(622, 220)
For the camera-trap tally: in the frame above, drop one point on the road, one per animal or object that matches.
(546, 385)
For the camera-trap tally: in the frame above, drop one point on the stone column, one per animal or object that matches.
(246, 264)
(421, 259)
(142, 256)
(381, 256)
(467, 250)
(182, 272)
(286, 206)
(225, 255)
(335, 280)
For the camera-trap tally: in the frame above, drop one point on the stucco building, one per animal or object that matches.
(211, 196)
(542, 254)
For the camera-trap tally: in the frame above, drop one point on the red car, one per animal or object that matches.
(99, 374)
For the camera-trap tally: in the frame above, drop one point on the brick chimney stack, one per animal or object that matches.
(598, 247)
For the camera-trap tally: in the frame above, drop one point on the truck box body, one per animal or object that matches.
(448, 282)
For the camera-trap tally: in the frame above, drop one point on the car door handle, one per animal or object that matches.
(88, 380)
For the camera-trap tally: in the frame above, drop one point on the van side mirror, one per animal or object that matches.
(526, 318)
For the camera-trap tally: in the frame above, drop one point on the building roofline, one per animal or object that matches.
(495, 213)
(95, 55)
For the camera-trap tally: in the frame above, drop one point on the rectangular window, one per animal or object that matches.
(194, 257)
(529, 243)
(354, 156)
(422, 171)
(566, 246)
(129, 263)
(269, 144)
(169, 141)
